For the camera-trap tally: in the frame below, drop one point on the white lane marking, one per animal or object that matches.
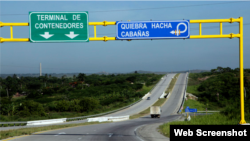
(136, 134)
(110, 134)
(79, 138)
(60, 133)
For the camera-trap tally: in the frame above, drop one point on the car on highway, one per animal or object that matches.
(148, 98)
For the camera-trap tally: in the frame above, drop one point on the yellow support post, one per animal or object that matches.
(231, 20)
(13, 24)
(200, 28)
(11, 32)
(220, 28)
(215, 36)
(95, 31)
(104, 23)
(242, 121)
(105, 38)
(11, 39)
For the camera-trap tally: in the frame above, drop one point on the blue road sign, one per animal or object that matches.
(152, 29)
(190, 110)
(187, 109)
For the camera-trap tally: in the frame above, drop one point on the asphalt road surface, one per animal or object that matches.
(117, 131)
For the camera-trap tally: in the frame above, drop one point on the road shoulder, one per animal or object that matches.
(149, 133)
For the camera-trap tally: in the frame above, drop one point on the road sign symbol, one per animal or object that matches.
(71, 35)
(59, 26)
(178, 31)
(46, 35)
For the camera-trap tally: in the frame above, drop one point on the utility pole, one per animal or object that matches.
(40, 69)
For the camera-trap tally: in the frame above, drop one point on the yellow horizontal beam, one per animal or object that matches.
(105, 38)
(231, 20)
(13, 24)
(104, 23)
(214, 36)
(14, 40)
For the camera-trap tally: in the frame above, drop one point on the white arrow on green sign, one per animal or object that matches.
(59, 26)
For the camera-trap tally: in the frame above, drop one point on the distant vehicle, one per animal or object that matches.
(148, 98)
(155, 111)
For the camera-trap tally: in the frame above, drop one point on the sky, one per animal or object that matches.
(164, 55)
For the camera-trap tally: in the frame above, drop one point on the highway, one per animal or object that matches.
(125, 130)
(144, 104)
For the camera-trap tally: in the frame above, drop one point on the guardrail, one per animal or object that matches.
(207, 111)
(15, 123)
(49, 121)
(103, 119)
(184, 96)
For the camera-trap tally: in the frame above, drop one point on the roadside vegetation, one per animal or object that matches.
(159, 102)
(47, 97)
(216, 90)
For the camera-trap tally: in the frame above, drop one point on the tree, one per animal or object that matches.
(63, 78)
(45, 79)
(21, 81)
(1, 83)
(88, 104)
(220, 69)
(81, 77)
(213, 70)
(10, 85)
(34, 88)
(135, 71)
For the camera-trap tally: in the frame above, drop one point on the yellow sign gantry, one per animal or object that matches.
(200, 36)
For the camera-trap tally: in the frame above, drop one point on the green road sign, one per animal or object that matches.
(59, 26)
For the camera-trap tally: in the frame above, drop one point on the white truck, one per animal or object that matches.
(155, 111)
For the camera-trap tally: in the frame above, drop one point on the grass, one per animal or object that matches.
(159, 102)
(18, 98)
(29, 131)
(194, 90)
(172, 83)
(214, 119)
(193, 86)
(146, 89)
(194, 104)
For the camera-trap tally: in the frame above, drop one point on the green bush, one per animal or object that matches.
(30, 107)
(88, 104)
(5, 125)
(52, 106)
(48, 91)
(62, 105)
